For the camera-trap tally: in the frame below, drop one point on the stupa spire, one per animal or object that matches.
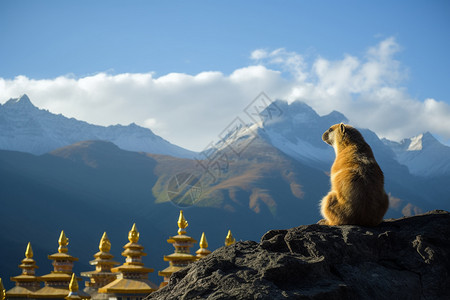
(28, 264)
(57, 282)
(181, 257)
(103, 263)
(203, 251)
(105, 244)
(63, 241)
(203, 242)
(29, 251)
(133, 235)
(132, 277)
(27, 282)
(182, 224)
(229, 240)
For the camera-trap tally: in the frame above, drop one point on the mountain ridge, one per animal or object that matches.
(423, 154)
(296, 131)
(24, 127)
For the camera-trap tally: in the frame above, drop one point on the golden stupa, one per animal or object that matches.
(57, 282)
(229, 240)
(132, 278)
(203, 251)
(27, 282)
(181, 257)
(102, 274)
(128, 281)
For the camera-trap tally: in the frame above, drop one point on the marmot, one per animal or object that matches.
(357, 195)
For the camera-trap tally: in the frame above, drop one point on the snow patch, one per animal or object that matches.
(416, 143)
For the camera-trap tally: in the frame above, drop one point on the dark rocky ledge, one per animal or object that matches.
(406, 258)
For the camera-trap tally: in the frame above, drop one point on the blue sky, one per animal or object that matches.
(46, 40)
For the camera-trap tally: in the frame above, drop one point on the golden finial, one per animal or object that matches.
(182, 224)
(2, 291)
(105, 244)
(73, 285)
(203, 242)
(229, 240)
(203, 251)
(63, 242)
(29, 251)
(133, 235)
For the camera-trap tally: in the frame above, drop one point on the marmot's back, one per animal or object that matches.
(357, 193)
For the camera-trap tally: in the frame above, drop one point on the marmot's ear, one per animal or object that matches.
(342, 127)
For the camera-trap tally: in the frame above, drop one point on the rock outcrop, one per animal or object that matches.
(406, 258)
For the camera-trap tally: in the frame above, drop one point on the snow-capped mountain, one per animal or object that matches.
(423, 154)
(26, 128)
(297, 132)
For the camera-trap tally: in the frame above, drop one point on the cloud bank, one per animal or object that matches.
(191, 110)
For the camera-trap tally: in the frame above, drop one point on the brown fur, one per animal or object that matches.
(357, 193)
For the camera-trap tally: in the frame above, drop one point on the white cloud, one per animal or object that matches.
(259, 54)
(366, 89)
(290, 62)
(187, 110)
(191, 110)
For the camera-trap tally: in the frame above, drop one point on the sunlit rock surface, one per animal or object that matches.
(404, 258)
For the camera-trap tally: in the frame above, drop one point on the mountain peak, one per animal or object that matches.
(297, 112)
(422, 141)
(429, 138)
(23, 102)
(24, 99)
(335, 117)
(423, 154)
(302, 112)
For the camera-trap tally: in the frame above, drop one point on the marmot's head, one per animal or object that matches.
(334, 134)
(341, 134)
